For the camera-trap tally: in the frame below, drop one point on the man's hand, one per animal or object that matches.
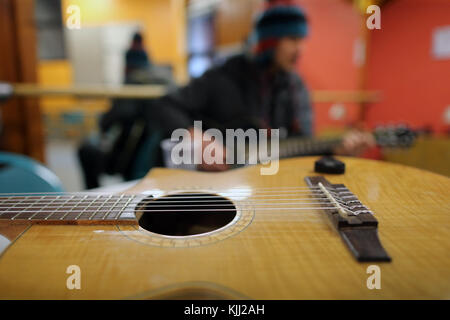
(216, 146)
(355, 143)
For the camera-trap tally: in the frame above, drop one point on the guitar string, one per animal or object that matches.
(199, 194)
(240, 203)
(236, 209)
(173, 199)
(223, 208)
(47, 207)
(209, 199)
(185, 207)
(314, 197)
(194, 203)
(176, 200)
(179, 189)
(205, 195)
(254, 204)
(199, 210)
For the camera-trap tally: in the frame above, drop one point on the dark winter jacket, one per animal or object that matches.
(237, 94)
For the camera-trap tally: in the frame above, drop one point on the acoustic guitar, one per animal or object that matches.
(378, 231)
(387, 137)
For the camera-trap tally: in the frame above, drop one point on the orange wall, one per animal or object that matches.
(234, 20)
(415, 86)
(327, 60)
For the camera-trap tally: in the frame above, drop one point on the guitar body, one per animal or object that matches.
(268, 254)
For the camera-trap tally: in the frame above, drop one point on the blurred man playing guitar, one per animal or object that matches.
(257, 89)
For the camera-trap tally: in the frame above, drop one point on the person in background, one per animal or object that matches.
(257, 89)
(136, 58)
(114, 150)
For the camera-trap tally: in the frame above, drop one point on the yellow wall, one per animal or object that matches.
(55, 73)
(163, 21)
(164, 31)
(59, 73)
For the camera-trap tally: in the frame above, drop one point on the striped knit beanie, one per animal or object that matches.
(274, 23)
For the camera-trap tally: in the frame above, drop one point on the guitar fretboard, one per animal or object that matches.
(292, 147)
(69, 208)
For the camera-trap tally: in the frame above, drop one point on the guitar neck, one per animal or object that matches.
(69, 208)
(293, 147)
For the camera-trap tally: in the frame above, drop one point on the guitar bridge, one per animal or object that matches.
(354, 222)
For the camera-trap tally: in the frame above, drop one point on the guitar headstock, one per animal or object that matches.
(398, 136)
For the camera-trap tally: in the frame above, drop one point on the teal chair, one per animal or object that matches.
(20, 174)
(147, 156)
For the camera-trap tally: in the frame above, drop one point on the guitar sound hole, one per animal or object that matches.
(186, 214)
